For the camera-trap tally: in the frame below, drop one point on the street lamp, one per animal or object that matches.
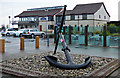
(9, 22)
(46, 10)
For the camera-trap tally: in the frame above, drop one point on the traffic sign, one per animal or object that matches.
(43, 18)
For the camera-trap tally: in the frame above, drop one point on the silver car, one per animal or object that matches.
(7, 32)
(18, 33)
(33, 32)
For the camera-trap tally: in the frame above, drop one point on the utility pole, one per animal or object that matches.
(46, 10)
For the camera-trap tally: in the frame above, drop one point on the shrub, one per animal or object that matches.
(107, 33)
(97, 32)
(116, 34)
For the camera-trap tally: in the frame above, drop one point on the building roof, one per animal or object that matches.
(78, 10)
(67, 12)
(40, 13)
(85, 9)
(44, 8)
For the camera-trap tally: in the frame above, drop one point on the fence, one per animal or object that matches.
(88, 35)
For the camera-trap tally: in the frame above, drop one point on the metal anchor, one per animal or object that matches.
(52, 60)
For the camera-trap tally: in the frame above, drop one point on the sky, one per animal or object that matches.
(15, 7)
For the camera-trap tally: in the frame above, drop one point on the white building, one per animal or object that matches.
(94, 14)
(40, 18)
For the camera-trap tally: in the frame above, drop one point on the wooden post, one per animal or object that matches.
(78, 28)
(37, 42)
(2, 45)
(86, 35)
(21, 43)
(104, 37)
(69, 34)
(55, 34)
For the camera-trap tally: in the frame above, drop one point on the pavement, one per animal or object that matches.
(12, 50)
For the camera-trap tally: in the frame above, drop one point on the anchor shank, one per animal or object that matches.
(68, 57)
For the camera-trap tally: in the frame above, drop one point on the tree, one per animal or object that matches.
(118, 29)
(3, 26)
(112, 28)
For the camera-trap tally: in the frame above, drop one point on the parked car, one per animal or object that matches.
(33, 32)
(18, 33)
(7, 32)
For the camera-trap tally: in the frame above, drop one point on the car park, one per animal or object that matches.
(7, 32)
(33, 32)
(18, 33)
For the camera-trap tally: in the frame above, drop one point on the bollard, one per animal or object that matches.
(55, 33)
(2, 45)
(70, 34)
(21, 43)
(104, 37)
(86, 35)
(37, 42)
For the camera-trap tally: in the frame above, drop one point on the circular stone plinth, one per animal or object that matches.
(36, 65)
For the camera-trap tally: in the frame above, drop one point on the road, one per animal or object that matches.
(12, 49)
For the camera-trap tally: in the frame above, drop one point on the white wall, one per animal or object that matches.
(81, 22)
(102, 13)
(90, 16)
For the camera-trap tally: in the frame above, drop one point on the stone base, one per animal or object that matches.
(37, 66)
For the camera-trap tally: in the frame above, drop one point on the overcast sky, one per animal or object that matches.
(15, 7)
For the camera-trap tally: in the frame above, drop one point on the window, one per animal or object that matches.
(84, 16)
(104, 17)
(9, 29)
(50, 18)
(26, 30)
(20, 19)
(58, 19)
(37, 31)
(99, 16)
(72, 17)
(50, 27)
(32, 30)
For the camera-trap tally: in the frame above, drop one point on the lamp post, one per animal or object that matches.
(9, 22)
(46, 10)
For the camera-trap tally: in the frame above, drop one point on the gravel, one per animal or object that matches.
(38, 63)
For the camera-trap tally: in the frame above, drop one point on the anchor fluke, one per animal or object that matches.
(53, 61)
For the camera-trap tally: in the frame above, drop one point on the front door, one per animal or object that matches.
(40, 27)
